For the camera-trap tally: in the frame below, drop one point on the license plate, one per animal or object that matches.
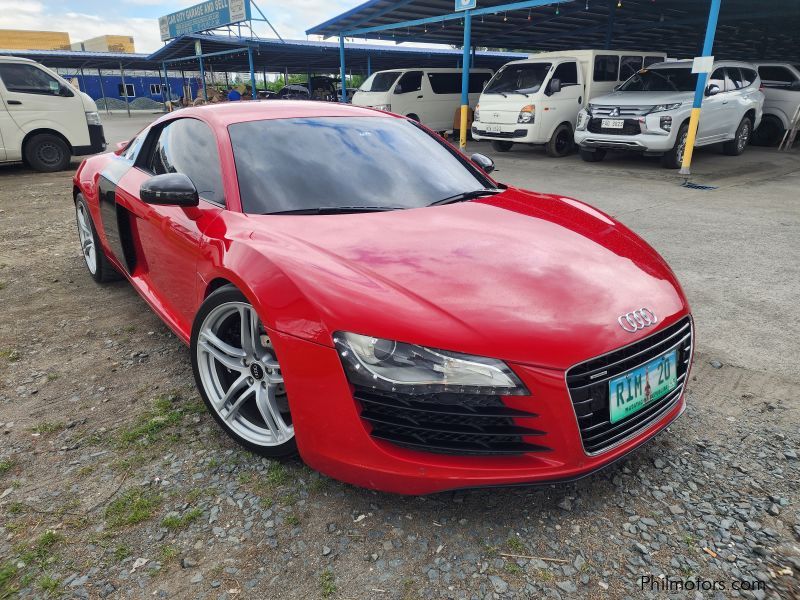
(493, 129)
(613, 123)
(632, 391)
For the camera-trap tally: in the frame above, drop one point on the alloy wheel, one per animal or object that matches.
(241, 376)
(744, 136)
(86, 237)
(681, 148)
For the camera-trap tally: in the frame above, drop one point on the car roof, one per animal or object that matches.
(688, 63)
(226, 113)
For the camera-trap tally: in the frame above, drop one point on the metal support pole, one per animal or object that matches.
(700, 89)
(203, 78)
(187, 97)
(465, 78)
(124, 89)
(612, 14)
(103, 91)
(472, 60)
(286, 78)
(227, 83)
(253, 93)
(369, 65)
(83, 80)
(168, 95)
(343, 95)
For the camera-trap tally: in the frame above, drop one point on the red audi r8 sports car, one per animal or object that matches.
(356, 290)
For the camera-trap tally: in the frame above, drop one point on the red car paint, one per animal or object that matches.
(535, 280)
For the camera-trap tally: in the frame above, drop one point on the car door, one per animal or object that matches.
(408, 97)
(562, 106)
(168, 240)
(713, 113)
(7, 126)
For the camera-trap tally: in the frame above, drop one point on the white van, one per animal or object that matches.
(537, 100)
(430, 96)
(44, 121)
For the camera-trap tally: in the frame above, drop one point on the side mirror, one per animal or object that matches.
(170, 188)
(485, 163)
(795, 86)
(120, 146)
(712, 90)
(554, 86)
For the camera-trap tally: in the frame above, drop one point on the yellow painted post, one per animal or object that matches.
(691, 135)
(465, 78)
(464, 117)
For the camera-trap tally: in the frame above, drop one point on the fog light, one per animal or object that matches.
(666, 123)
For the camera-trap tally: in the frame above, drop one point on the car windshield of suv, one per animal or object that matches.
(524, 78)
(671, 79)
(379, 82)
(331, 163)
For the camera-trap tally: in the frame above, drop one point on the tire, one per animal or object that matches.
(673, 159)
(592, 155)
(737, 145)
(561, 143)
(501, 145)
(47, 153)
(239, 377)
(97, 263)
(769, 133)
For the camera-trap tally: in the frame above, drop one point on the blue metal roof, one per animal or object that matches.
(77, 59)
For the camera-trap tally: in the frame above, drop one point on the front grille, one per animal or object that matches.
(588, 387)
(449, 423)
(517, 133)
(624, 111)
(631, 127)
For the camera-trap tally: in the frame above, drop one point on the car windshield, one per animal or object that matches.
(523, 78)
(347, 163)
(669, 79)
(379, 82)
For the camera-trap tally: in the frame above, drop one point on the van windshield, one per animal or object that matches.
(670, 79)
(522, 78)
(379, 82)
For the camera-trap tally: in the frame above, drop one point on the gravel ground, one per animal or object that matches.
(114, 482)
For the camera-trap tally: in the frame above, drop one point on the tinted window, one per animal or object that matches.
(776, 74)
(126, 90)
(477, 81)
(522, 78)
(670, 79)
(27, 79)
(717, 78)
(188, 146)
(606, 68)
(748, 76)
(733, 79)
(307, 163)
(628, 65)
(132, 149)
(409, 82)
(444, 83)
(567, 73)
(651, 60)
(380, 82)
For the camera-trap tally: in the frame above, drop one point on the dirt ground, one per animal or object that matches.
(114, 482)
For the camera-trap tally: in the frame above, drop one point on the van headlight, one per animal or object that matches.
(527, 114)
(93, 118)
(583, 120)
(476, 116)
(408, 368)
(386, 107)
(663, 107)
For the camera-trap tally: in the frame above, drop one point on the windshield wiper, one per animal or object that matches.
(503, 94)
(334, 210)
(464, 196)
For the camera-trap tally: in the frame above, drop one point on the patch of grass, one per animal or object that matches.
(52, 376)
(544, 575)
(277, 474)
(168, 553)
(15, 508)
(47, 584)
(86, 470)
(327, 583)
(11, 355)
(515, 545)
(176, 522)
(131, 508)
(121, 553)
(165, 412)
(513, 568)
(290, 499)
(213, 463)
(245, 477)
(293, 520)
(194, 495)
(48, 427)
(8, 573)
(690, 540)
(6, 465)
(490, 551)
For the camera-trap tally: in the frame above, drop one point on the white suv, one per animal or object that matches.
(650, 112)
(780, 83)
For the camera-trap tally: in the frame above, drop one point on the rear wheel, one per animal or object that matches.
(97, 263)
(769, 133)
(501, 145)
(592, 155)
(673, 159)
(737, 145)
(47, 153)
(239, 376)
(561, 142)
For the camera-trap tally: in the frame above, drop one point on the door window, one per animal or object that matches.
(567, 73)
(733, 79)
(188, 146)
(776, 76)
(27, 79)
(629, 66)
(409, 82)
(443, 83)
(477, 81)
(606, 67)
(718, 78)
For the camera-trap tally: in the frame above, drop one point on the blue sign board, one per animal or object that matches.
(206, 15)
(466, 4)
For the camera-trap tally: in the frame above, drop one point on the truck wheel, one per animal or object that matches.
(561, 142)
(47, 153)
(737, 145)
(673, 159)
(592, 155)
(501, 145)
(769, 133)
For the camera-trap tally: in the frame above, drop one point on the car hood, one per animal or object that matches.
(524, 277)
(642, 98)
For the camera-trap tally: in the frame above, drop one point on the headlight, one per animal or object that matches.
(386, 107)
(583, 120)
(527, 114)
(663, 107)
(93, 118)
(407, 368)
(476, 116)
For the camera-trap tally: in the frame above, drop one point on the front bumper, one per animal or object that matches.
(646, 137)
(524, 133)
(333, 438)
(97, 142)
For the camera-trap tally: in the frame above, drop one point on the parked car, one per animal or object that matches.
(780, 83)
(650, 112)
(536, 100)
(44, 121)
(322, 88)
(430, 96)
(357, 290)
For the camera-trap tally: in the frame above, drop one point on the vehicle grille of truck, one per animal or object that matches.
(631, 127)
(588, 387)
(448, 423)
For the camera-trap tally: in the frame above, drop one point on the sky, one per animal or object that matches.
(84, 19)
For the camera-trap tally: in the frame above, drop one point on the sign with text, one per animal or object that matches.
(466, 4)
(203, 16)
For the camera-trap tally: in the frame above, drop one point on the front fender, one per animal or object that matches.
(81, 139)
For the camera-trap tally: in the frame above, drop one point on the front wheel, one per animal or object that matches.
(592, 155)
(238, 374)
(673, 159)
(769, 133)
(47, 153)
(98, 265)
(737, 145)
(561, 142)
(501, 145)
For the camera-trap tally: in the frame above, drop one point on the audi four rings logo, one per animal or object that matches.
(637, 319)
